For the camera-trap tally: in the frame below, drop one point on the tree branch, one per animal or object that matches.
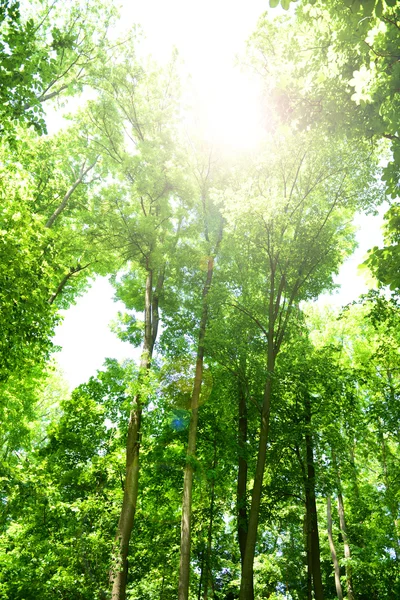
(67, 196)
(64, 280)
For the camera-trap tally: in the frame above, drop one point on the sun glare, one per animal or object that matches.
(231, 112)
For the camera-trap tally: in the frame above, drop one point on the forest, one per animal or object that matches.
(253, 451)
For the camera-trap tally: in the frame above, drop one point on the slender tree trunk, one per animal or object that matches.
(343, 531)
(241, 493)
(201, 575)
(391, 502)
(209, 576)
(311, 507)
(118, 574)
(354, 473)
(184, 567)
(307, 543)
(335, 561)
(162, 584)
(347, 554)
(247, 584)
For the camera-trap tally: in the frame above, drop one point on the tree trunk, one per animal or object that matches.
(347, 554)
(343, 531)
(311, 507)
(307, 543)
(241, 500)
(201, 575)
(209, 576)
(119, 573)
(247, 579)
(335, 561)
(390, 497)
(184, 567)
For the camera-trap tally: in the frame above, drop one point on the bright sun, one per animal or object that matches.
(232, 114)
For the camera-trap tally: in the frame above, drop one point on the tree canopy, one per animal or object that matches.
(252, 451)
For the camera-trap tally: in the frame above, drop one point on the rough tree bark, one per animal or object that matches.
(335, 561)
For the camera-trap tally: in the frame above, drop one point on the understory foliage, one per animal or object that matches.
(253, 449)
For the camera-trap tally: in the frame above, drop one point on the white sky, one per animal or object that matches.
(208, 35)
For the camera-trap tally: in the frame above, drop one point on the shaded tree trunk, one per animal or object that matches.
(335, 561)
(347, 554)
(241, 500)
(343, 531)
(247, 583)
(307, 543)
(311, 507)
(209, 576)
(118, 574)
(390, 497)
(201, 574)
(184, 566)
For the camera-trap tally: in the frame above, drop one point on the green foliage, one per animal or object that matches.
(384, 262)
(27, 319)
(45, 51)
(120, 192)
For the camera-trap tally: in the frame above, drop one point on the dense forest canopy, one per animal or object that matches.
(252, 451)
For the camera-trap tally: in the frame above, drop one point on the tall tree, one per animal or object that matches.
(293, 259)
(133, 125)
(213, 231)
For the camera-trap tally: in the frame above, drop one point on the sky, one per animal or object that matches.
(208, 36)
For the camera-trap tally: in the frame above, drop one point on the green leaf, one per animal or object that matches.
(273, 3)
(379, 8)
(285, 4)
(368, 7)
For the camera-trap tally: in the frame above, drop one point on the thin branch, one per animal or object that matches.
(248, 313)
(67, 196)
(65, 279)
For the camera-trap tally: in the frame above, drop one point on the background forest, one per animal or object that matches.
(253, 449)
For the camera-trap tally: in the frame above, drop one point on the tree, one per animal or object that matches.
(133, 124)
(352, 82)
(212, 242)
(291, 260)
